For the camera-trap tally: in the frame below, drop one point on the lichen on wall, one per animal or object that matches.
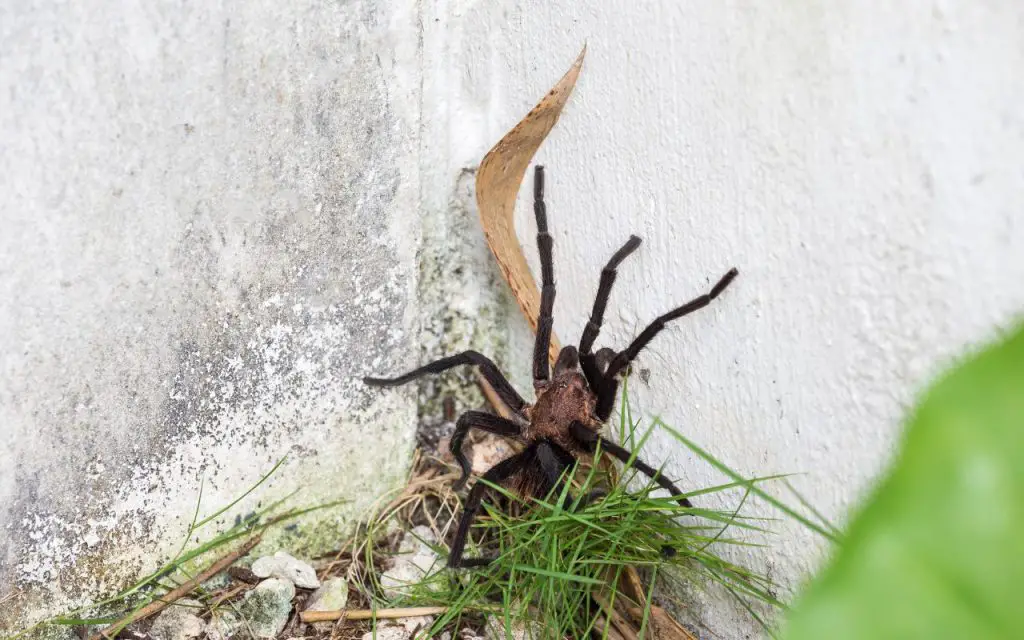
(208, 238)
(463, 300)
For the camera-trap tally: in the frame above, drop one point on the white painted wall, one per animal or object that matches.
(859, 163)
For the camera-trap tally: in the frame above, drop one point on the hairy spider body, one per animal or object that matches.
(573, 401)
(564, 400)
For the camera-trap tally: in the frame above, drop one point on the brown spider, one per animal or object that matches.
(572, 404)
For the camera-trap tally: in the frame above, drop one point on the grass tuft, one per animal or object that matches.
(559, 572)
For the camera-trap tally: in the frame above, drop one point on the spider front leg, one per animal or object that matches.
(594, 364)
(542, 344)
(604, 290)
(591, 440)
(488, 369)
(606, 394)
(498, 473)
(477, 420)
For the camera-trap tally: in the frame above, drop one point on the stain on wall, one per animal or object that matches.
(210, 236)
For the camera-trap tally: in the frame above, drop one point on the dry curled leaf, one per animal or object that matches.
(497, 184)
(662, 624)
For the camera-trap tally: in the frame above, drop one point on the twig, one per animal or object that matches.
(621, 624)
(493, 397)
(368, 614)
(170, 597)
(227, 595)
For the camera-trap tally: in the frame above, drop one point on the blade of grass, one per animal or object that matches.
(692, 446)
(221, 511)
(807, 505)
(561, 575)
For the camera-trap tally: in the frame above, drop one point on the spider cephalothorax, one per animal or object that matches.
(573, 401)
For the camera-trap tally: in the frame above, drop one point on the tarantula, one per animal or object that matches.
(573, 401)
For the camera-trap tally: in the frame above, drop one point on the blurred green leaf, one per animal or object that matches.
(938, 551)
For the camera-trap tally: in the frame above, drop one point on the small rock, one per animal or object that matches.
(416, 624)
(223, 625)
(495, 630)
(179, 621)
(415, 562)
(216, 583)
(388, 632)
(403, 629)
(281, 565)
(264, 611)
(331, 596)
(489, 451)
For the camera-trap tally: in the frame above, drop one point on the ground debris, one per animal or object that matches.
(331, 596)
(415, 561)
(180, 621)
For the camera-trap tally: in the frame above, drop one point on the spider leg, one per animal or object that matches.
(547, 296)
(494, 475)
(594, 365)
(488, 369)
(619, 362)
(593, 440)
(477, 420)
(553, 465)
(554, 460)
(604, 357)
(604, 289)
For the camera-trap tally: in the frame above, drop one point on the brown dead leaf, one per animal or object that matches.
(497, 184)
(630, 585)
(618, 621)
(605, 630)
(663, 624)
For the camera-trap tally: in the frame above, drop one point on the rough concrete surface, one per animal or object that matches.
(216, 218)
(208, 235)
(859, 163)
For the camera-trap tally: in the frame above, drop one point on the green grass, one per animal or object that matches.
(552, 560)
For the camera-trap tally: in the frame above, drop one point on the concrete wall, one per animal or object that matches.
(211, 219)
(209, 227)
(860, 165)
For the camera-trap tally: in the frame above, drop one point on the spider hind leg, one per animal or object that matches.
(497, 474)
(476, 420)
(488, 369)
(592, 440)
